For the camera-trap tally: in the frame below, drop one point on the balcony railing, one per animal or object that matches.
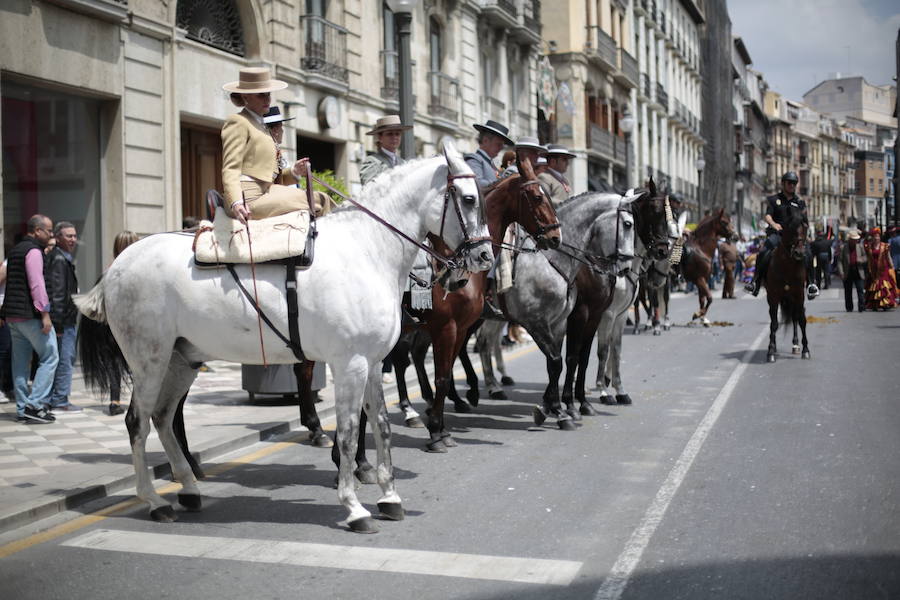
(522, 122)
(492, 108)
(600, 140)
(324, 48)
(600, 44)
(444, 96)
(508, 7)
(645, 85)
(629, 66)
(662, 97)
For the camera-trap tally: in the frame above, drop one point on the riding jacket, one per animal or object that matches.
(485, 171)
(376, 163)
(779, 207)
(556, 186)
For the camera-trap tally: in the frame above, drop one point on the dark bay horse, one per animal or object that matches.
(696, 262)
(786, 285)
(728, 254)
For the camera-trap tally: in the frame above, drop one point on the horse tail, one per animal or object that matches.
(102, 361)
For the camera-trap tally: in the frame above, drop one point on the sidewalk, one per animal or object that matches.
(46, 469)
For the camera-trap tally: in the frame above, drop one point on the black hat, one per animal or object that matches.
(790, 176)
(274, 116)
(495, 128)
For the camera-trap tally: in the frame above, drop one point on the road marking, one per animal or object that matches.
(614, 585)
(418, 562)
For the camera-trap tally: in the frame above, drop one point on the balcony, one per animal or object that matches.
(324, 51)
(629, 69)
(493, 108)
(645, 86)
(601, 46)
(443, 97)
(501, 13)
(600, 140)
(662, 97)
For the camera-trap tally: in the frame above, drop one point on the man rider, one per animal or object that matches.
(492, 137)
(778, 211)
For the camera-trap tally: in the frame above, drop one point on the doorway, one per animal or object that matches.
(201, 168)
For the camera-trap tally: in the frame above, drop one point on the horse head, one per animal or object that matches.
(654, 222)
(793, 236)
(612, 234)
(723, 227)
(463, 225)
(534, 211)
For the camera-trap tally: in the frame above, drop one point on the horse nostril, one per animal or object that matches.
(486, 256)
(555, 242)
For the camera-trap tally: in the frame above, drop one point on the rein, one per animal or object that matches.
(448, 263)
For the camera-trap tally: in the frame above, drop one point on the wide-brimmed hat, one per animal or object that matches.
(853, 235)
(530, 142)
(274, 116)
(388, 123)
(497, 129)
(254, 80)
(555, 150)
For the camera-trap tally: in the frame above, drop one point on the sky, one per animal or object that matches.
(796, 44)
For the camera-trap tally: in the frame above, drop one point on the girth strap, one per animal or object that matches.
(290, 284)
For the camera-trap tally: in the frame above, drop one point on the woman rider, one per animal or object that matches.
(250, 154)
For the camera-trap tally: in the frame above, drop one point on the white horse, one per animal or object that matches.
(168, 317)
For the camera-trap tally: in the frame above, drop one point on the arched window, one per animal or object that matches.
(215, 23)
(435, 44)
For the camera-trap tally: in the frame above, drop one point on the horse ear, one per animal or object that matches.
(527, 170)
(652, 186)
(451, 155)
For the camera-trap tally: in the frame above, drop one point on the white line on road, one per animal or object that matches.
(418, 562)
(614, 585)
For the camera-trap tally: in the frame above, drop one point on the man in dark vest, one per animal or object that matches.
(26, 308)
(778, 210)
(61, 284)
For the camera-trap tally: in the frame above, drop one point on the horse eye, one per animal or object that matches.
(469, 199)
(627, 224)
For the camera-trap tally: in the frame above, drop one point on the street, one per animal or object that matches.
(727, 478)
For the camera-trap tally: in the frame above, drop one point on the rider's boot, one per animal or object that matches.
(762, 262)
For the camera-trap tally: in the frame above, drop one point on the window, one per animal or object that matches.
(434, 43)
(871, 184)
(216, 24)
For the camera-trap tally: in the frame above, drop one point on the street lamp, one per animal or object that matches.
(739, 186)
(626, 124)
(403, 10)
(699, 164)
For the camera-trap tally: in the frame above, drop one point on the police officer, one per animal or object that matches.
(492, 137)
(778, 211)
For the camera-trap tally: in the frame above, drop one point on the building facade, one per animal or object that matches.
(752, 140)
(112, 108)
(843, 97)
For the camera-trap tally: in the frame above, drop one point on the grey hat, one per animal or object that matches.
(530, 142)
(495, 128)
(274, 116)
(554, 150)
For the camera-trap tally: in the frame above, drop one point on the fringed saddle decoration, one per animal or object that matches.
(227, 241)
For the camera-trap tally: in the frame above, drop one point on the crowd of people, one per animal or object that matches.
(39, 319)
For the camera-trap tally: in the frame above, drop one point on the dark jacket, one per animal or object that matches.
(780, 206)
(59, 274)
(844, 263)
(18, 303)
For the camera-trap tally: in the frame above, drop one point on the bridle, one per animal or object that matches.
(533, 204)
(457, 260)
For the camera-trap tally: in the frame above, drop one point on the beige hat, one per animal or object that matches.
(853, 235)
(254, 80)
(388, 123)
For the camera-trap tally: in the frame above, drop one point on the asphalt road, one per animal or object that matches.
(727, 478)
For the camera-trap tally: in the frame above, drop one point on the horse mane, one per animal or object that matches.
(385, 184)
(705, 224)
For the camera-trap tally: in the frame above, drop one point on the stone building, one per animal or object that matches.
(752, 139)
(843, 97)
(111, 109)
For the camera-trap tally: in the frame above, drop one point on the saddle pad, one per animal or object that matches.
(225, 240)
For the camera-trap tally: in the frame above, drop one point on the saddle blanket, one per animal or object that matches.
(225, 240)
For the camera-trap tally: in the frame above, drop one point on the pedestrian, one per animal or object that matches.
(509, 158)
(250, 155)
(894, 243)
(821, 251)
(26, 307)
(492, 138)
(62, 283)
(388, 132)
(553, 179)
(6, 385)
(881, 290)
(851, 269)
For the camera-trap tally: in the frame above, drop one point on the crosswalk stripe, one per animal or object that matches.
(419, 562)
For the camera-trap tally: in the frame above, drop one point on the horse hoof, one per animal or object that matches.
(570, 410)
(608, 400)
(566, 424)
(538, 415)
(415, 422)
(770, 358)
(473, 396)
(392, 511)
(795, 349)
(190, 502)
(363, 525)
(366, 474)
(507, 380)
(805, 354)
(321, 440)
(448, 441)
(461, 406)
(164, 514)
(587, 409)
(623, 399)
(435, 444)
(657, 332)
(498, 395)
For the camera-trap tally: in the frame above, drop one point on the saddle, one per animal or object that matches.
(226, 241)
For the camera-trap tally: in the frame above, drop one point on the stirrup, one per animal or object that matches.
(812, 290)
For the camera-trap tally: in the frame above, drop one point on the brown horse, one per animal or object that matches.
(728, 255)
(696, 262)
(786, 285)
